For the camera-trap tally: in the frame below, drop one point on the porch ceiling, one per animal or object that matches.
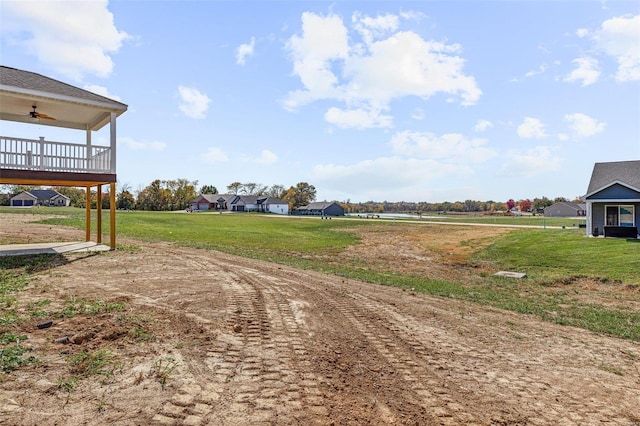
(72, 107)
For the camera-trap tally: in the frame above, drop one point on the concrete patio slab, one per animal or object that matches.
(51, 248)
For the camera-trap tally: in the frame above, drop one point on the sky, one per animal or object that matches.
(366, 100)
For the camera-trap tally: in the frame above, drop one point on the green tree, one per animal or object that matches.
(154, 197)
(181, 192)
(541, 203)
(234, 187)
(300, 195)
(208, 189)
(125, 200)
(275, 191)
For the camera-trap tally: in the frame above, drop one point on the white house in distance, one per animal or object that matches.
(239, 203)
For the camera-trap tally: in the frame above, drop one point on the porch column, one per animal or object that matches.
(99, 214)
(113, 142)
(589, 224)
(88, 139)
(112, 211)
(87, 226)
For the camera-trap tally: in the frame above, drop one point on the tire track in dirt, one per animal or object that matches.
(312, 349)
(439, 407)
(262, 372)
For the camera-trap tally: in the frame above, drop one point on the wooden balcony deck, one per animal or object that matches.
(42, 162)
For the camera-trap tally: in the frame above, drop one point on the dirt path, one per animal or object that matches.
(253, 343)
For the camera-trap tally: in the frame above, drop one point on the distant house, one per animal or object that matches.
(40, 197)
(566, 209)
(204, 202)
(321, 209)
(613, 199)
(239, 203)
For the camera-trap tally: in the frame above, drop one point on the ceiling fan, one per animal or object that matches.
(35, 114)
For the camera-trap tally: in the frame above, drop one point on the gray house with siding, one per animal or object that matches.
(321, 209)
(566, 209)
(41, 197)
(613, 199)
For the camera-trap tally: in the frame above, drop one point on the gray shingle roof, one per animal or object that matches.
(45, 194)
(604, 174)
(28, 80)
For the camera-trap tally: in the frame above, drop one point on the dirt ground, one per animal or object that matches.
(205, 338)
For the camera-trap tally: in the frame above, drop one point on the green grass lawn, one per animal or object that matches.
(547, 256)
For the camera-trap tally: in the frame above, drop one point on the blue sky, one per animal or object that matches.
(365, 100)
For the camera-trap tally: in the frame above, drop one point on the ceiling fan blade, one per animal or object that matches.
(45, 116)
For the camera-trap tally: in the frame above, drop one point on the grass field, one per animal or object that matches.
(573, 280)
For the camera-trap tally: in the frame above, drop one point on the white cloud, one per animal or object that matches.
(531, 128)
(357, 118)
(530, 163)
(583, 126)
(587, 71)
(194, 104)
(214, 155)
(452, 147)
(101, 90)
(619, 37)
(374, 28)
(266, 158)
(582, 32)
(417, 160)
(375, 179)
(136, 145)
(482, 125)
(365, 77)
(245, 50)
(541, 69)
(323, 40)
(73, 38)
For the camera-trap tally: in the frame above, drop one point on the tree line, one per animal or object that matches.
(176, 194)
(467, 206)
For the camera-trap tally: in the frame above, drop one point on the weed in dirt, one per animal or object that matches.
(12, 352)
(76, 306)
(162, 369)
(96, 363)
(141, 334)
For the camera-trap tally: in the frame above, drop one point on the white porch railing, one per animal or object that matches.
(38, 154)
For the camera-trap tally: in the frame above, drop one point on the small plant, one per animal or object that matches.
(76, 306)
(139, 333)
(162, 369)
(68, 385)
(12, 352)
(97, 363)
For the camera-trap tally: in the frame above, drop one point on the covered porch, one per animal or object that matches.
(31, 98)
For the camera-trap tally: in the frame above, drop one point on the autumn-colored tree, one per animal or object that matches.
(510, 204)
(300, 195)
(125, 200)
(525, 205)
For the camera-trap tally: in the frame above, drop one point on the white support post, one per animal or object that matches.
(113, 143)
(88, 137)
(589, 217)
(41, 152)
